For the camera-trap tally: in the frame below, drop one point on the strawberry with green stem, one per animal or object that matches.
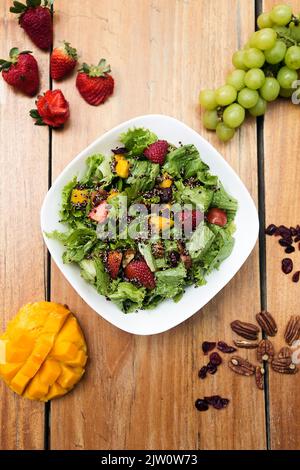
(94, 82)
(21, 71)
(63, 61)
(36, 20)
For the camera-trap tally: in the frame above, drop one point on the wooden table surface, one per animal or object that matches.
(139, 392)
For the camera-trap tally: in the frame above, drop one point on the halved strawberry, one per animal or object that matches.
(217, 217)
(113, 263)
(138, 271)
(99, 213)
(157, 151)
(191, 219)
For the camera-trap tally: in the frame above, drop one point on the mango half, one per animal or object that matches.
(42, 352)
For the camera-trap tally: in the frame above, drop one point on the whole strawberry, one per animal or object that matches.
(63, 61)
(94, 82)
(157, 151)
(52, 109)
(139, 271)
(21, 71)
(36, 20)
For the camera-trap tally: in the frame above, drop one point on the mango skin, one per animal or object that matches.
(42, 352)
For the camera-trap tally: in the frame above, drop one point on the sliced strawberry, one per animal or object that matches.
(157, 151)
(113, 263)
(217, 217)
(138, 271)
(99, 213)
(191, 219)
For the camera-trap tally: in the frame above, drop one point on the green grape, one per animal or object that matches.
(254, 58)
(259, 109)
(276, 54)
(211, 119)
(270, 89)
(207, 99)
(282, 30)
(295, 31)
(263, 39)
(292, 57)
(226, 95)
(281, 14)
(264, 21)
(238, 60)
(224, 132)
(248, 98)
(236, 79)
(254, 79)
(286, 77)
(286, 92)
(234, 115)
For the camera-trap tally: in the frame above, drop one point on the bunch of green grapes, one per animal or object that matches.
(265, 69)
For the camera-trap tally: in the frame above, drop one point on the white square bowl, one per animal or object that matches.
(168, 314)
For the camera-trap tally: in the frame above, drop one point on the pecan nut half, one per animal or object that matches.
(265, 351)
(245, 344)
(246, 330)
(259, 377)
(285, 353)
(267, 323)
(292, 332)
(241, 366)
(284, 366)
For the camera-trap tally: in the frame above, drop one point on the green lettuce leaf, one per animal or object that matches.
(219, 250)
(88, 270)
(142, 178)
(137, 139)
(79, 243)
(128, 297)
(146, 252)
(102, 278)
(183, 162)
(223, 200)
(200, 241)
(170, 282)
(199, 196)
(66, 207)
(98, 170)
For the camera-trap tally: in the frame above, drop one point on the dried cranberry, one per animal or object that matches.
(215, 359)
(289, 249)
(202, 372)
(271, 229)
(201, 405)
(118, 151)
(208, 346)
(223, 347)
(174, 258)
(293, 231)
(297, 239)
(211, 368)
(217, 402)
(296, 276)
(165, 195)
(283, 231)
(287, 265)
(285, 242)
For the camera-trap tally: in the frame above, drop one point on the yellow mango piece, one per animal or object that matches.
(119, 157)
(49, 372)
(79, 196)
(166, 184)
(36, 390)
(8, 371)
(113, 193)
(161, 223)
(69, 376)
(27, 349)
(122, 168)
(55, 391)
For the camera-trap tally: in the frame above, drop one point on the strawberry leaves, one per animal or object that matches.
(100, 70)
(38, 119)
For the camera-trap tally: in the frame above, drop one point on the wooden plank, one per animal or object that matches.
(282, 180)
(24, 170)
(139, 392)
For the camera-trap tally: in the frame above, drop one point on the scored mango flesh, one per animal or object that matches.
(43, 351)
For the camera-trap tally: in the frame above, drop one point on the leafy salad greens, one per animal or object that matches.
(141, 272)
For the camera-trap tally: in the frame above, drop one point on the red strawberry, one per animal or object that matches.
(217, 217)
(113, 263)
(191, 218)
(52, 109)
(94, 82)
(157, 152)
(21, 71)
(99, 213)
(36, 20)
(138, 270)
(63, 61)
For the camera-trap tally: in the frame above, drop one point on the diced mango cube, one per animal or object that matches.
(49, 372)
(19, 382)
(79, 360)
(69, 376)
(55, 391)
(8, 371)
(79, 196)
(36, 390)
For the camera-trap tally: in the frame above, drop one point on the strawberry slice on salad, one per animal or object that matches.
(99, 214)
(113, 263)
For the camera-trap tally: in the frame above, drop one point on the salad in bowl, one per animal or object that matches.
(146, 220)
